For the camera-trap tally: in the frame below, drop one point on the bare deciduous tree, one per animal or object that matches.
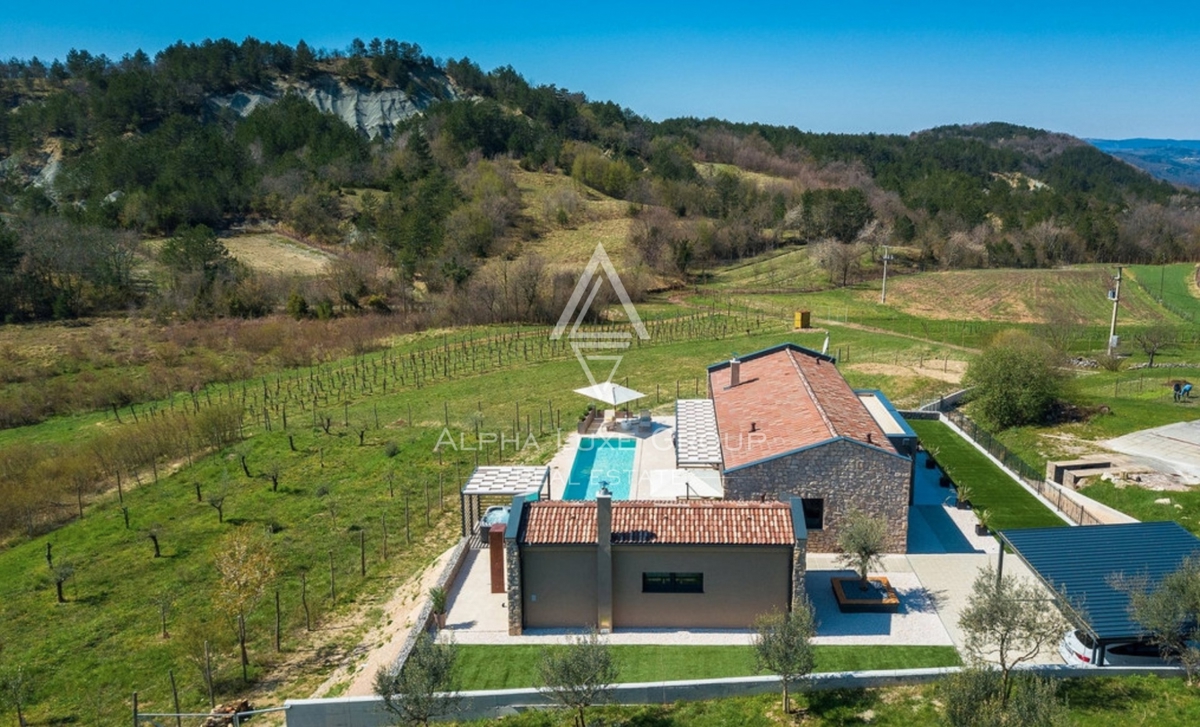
(1154, 341)
(841, 261)
(153, 533)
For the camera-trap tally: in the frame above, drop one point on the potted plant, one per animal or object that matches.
(437, 597)
(983, 527)
(931, 458)
(964, 497)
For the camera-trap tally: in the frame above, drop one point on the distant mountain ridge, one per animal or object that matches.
(1173, 160)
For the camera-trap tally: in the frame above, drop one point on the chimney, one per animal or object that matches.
(753, 426)
(869, 438)
(604, 568)
(735, 372)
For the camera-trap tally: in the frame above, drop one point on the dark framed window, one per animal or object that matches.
(672, 583)
(814, 513)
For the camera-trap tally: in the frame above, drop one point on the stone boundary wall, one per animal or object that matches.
(368, 711)
(424, 620)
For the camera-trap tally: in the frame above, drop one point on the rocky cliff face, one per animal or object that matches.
(374, 113)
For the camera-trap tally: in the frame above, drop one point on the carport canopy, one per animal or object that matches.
(500, 482)
(1077, 563)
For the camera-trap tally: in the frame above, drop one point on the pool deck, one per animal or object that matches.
(656, 451)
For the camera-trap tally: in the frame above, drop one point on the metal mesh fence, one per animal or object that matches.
(1029, 474)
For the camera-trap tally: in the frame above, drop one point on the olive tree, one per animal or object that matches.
(783, 645)
(15, 688)
(973, 697)
(1169, 611)
(61, 573)
(1007, 622)
(423, 687)
(862, 541)
(1017, 380)
(579, 673)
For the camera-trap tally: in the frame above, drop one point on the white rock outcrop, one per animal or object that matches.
(373, 113)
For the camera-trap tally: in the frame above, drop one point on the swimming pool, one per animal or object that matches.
(601, 462)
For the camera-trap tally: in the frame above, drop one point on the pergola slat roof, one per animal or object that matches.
(1078, 562)
(506, 480)
(697, 440)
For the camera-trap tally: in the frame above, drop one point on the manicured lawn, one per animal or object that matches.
(511, 667)
(1010, 505)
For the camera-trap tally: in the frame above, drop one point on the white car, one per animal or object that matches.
(1076, 648)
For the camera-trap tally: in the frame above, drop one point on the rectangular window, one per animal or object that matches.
(814, 513)
(672, 583)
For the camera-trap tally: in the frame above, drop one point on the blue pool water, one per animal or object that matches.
(601, 462)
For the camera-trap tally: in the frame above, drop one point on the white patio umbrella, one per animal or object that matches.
(675, 484)
(610, 393)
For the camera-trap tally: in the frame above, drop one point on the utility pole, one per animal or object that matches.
(1112, 329)
(886, 258)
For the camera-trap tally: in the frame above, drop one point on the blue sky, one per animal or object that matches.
(1098, 69)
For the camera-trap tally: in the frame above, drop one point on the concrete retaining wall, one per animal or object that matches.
(947, 402)
(368, 711)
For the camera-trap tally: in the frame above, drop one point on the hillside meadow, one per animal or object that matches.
(359, 450)
(315, 496)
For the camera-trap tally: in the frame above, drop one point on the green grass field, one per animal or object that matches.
(1173, 285)
(1009, 505)
(1136, 700)
(512, 667)
(1182, 507)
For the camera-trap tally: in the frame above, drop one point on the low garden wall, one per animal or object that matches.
(369, 712)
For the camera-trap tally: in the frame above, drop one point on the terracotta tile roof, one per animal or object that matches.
(793, 398)
(670, 523)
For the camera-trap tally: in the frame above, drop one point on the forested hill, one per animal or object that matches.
(221, 132)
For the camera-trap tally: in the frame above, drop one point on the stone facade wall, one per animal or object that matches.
(847, 474)
(512, 572)
(799, 569)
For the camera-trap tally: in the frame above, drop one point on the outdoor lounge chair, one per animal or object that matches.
(645, 424)
(610, 420)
